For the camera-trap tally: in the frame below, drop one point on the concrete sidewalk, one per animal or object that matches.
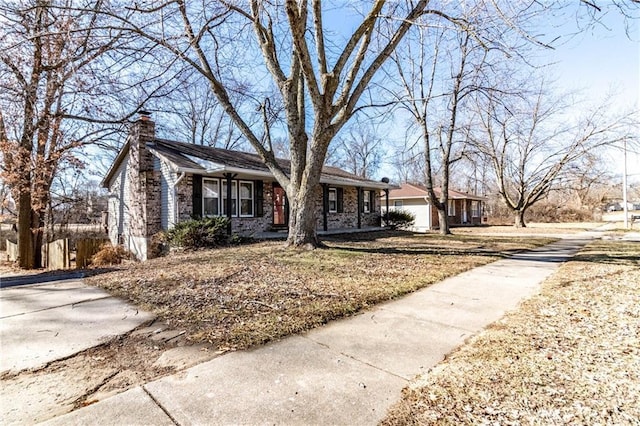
(347, 372)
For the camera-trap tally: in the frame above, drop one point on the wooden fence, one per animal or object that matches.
(86, 248)
(57, 254)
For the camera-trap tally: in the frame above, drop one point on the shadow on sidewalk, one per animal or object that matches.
(48, 276)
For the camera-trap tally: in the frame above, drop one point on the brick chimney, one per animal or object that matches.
(142, 132)
(145, 187)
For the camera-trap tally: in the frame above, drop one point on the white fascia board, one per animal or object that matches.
(261, 173)
(412, 197)
(225, 169)
(352, 182)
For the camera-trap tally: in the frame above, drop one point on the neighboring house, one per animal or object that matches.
(155, 183)
(463, 208)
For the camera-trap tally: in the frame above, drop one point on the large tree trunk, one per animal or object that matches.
(25, 236)
(519, 219)
(303, 192)
(443, 222)
(302, 223)
(38, 233)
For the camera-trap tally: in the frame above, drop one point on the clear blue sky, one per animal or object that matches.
(603, 59)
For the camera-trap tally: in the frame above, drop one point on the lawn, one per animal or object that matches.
(237, 297)
(570, 355)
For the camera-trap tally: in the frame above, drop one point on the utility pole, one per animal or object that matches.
(624, 187)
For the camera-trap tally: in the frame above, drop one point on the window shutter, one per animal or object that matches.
(197, 196)
(372, 201)
(258, 189)
(340, 200)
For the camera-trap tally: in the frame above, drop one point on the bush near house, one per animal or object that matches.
(209, 232)
(398, 219)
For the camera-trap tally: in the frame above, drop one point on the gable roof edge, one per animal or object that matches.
(124, 151)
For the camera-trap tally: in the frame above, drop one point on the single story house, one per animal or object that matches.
(155, 183)
(463, 208)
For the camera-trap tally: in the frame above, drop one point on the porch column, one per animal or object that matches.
(229, 177)
(359, 191)
(386, 195)
(325, 205)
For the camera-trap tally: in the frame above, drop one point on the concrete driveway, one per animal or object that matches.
(41, 323)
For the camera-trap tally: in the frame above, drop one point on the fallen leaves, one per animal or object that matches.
(570, 355)
(238, 297)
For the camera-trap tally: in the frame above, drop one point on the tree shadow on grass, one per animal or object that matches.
(617, 258)
(49, 276)
(425, 251)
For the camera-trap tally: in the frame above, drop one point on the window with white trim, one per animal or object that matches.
(475, 208)
(398, 203)
(452, 207)
(333, 200)
(246, 199)
(234, 198)
(210, 197)
(366, 201)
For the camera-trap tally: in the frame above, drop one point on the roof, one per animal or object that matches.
(413, 191)
(199, 159)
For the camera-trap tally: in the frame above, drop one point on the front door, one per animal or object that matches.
(280, 213)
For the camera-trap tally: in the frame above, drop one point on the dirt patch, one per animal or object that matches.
(149, 352)
(570, 355)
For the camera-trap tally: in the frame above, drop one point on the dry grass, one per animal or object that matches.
(570, 355)
(242, 296)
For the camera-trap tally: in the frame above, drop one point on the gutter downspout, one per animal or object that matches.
(430, 219)
(176, 213)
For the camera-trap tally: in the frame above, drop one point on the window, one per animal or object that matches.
(246, 199)
(398, 204)
(366, 201)
(210, 197)
(452, 207)
(333, 200)
(475, 208)
(234, 198)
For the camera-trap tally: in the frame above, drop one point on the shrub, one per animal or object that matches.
(208, 232)
(398, 219)
(110, 255)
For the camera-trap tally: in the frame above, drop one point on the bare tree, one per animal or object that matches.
(531, 144)
(46, 54)
(437, 74)
(359, 151)
(408, 163)
(588, 179)
(316, 73)
(59, 94)
(194, 115)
